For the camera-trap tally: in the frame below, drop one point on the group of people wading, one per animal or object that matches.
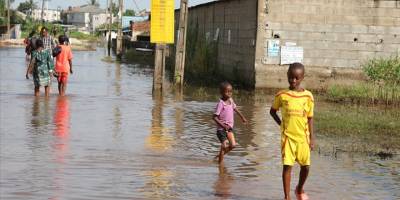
(42, 52)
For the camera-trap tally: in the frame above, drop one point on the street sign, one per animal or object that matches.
(162, 21)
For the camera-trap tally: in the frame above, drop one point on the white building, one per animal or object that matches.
(49, 15)
(87, 17)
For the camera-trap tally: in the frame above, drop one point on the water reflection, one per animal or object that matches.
(159, 138)
(159, 184)
(40, 115)
(223, 184)
(60, 145)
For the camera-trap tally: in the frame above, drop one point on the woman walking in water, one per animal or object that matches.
(41, 67)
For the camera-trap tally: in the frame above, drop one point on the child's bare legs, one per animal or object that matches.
(61, 89)
(222, 151)
(36, 91)
(232, 142)
(304, 170)
(46, 91)
(225, 148)
(286, 173)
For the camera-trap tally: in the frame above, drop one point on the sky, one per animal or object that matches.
(53, 4)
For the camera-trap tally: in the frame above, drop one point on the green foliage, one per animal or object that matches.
(93, 2)
(201, 57)
(26, 6)
(3, 9)
(383, 85)
(383, 70)
(129, 12)
(114, 26)
(82, 36)
(114, 9)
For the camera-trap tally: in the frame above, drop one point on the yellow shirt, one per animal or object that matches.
(296, 107)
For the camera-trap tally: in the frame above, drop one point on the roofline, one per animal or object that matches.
(205, 4)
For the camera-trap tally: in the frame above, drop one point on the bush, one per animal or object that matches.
(383, 71)
(383, 84)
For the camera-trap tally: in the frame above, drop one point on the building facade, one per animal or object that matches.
(87, 17)
(49, 15)
(256, 39)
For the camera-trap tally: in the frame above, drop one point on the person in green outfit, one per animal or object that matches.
(41, 67)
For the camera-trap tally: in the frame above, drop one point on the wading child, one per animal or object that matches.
(224, 117)
(41, 67)
(63, 64)
(297, 138)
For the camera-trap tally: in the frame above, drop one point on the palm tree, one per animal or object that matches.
(93, 3)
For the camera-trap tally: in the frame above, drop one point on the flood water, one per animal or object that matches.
(110, 138)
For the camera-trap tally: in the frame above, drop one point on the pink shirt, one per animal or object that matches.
(225, 112)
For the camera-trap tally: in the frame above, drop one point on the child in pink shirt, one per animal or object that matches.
(63, 64)
(224, 117)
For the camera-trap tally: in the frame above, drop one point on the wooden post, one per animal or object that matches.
(159, 67)
(181, 45)
(109, 28)
(8, 20)
(42, 13)
(119, 37)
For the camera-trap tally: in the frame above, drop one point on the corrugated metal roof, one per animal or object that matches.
(127, 19)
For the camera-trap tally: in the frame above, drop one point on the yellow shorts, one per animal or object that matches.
(293, 151)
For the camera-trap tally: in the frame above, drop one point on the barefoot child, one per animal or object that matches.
(297, 107)
(41, 67)
(63, 64)
(223, 116)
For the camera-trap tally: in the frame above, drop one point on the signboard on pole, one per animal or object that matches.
(162, 21)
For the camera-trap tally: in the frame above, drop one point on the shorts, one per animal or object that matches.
(223, 135)
(293, 151)
(62, 77)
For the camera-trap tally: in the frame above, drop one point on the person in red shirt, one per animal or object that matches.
(63, 64)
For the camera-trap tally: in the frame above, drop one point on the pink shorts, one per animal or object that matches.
(62, 77)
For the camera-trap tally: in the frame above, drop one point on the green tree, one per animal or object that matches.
(114, 9)
(27, 6)
(93, 3)
(129, 12)
(3, 11)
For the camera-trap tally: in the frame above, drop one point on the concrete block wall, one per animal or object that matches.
(234, 24)
(337, 37)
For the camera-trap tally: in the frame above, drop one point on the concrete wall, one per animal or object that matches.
(337, 36)
(98, 20)
(78, 19)
(230, 28)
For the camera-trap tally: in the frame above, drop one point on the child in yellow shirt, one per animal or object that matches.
(297, 108)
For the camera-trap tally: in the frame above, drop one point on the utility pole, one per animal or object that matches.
(109, 28)
(42, 13)
(8, 19)
(119, 37)
(181, 45)
(159, 67)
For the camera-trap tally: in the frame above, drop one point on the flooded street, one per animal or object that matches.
(110, 138)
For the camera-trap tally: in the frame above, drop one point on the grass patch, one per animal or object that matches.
(382, 86)
(82, 36)
(359, 128)
(368, 93)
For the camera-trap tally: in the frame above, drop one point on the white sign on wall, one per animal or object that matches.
(291, 54)
(273, 48)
